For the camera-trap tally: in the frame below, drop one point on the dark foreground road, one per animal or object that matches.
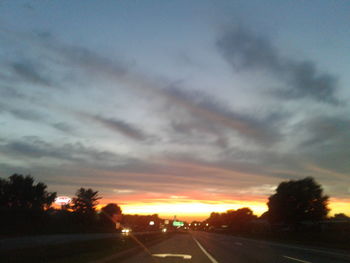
(207, 247)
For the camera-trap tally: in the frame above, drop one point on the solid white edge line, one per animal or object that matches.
(299, 260)
(205, 252)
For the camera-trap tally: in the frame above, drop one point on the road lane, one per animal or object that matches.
(226, 248)
(203, 247)
(44, 240)
(182, 244)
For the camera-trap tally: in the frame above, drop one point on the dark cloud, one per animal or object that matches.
(163, 175)
(9, 93)
(31, 147)
(34, 116)
(23, 114)
(62, 126)
(79, 57)
(27, 114)
(52, 63)
(247, 51)
(326, 141)
(211, 116)
(30, 72)
(119, 126)
(325, 130)
(203, 113)
(90, 60)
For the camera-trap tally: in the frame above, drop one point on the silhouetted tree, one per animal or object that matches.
(215, 220)
(235, 220)
(23, 204)
(264, 216)
(297, 201)
(341, 216)
(239, 220)
(110, 216)
(84, 208)
(111, 209)
(20, 192)
(85, 201)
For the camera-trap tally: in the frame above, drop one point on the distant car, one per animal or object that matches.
(126, 230)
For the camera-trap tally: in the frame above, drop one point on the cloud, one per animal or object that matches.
(23, 114)
(9, 93)
(247, 51)
(27, 114)
(123, 191)
(325, 130)
(325, 141)
(119, 126)
(32, 147)
(29, 72)
(51, 63)
(190, 113)
(211, 116)
(191, 117)
(62, 126)
(77, 57)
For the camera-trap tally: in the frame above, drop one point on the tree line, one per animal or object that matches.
(296, 205)
(26, 207)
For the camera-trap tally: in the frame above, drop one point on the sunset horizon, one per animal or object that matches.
(184, 208)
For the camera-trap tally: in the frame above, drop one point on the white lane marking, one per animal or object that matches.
(238, 243)
(270, 243)
(213, 260)
(184, 256)
(299, 260)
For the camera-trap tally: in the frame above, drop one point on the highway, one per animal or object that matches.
(202, 247)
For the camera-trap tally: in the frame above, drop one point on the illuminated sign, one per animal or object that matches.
(178, 223)
(63, 200)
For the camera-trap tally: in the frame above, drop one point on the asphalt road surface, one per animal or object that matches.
(202, 247)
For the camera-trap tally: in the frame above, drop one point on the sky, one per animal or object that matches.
(177, 107)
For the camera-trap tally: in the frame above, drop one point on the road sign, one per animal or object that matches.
(178, 223)
(63, 200)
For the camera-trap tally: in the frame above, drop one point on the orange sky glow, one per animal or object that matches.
(188, 210)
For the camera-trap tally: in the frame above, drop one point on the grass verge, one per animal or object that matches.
(80, 251)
